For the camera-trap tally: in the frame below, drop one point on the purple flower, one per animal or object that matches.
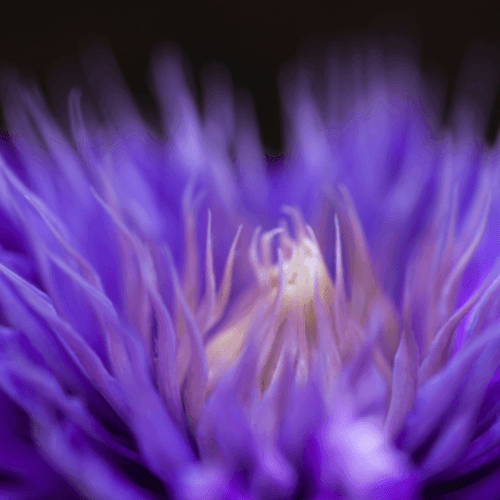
(182, 319)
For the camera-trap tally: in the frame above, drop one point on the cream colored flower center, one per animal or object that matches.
(294, 314)
(281, 310)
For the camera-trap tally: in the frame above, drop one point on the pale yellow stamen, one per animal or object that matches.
(295, 313)
(285, 289)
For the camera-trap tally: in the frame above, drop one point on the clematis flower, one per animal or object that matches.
(185, 317)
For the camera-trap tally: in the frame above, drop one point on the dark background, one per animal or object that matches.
(252, 38)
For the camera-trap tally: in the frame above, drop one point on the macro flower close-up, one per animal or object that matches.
(183, 316)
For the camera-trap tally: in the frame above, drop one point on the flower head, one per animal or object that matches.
(180, 320)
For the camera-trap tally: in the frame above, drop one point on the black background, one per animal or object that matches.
(252, 38)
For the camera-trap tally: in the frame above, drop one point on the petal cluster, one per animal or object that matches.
(182, 319)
